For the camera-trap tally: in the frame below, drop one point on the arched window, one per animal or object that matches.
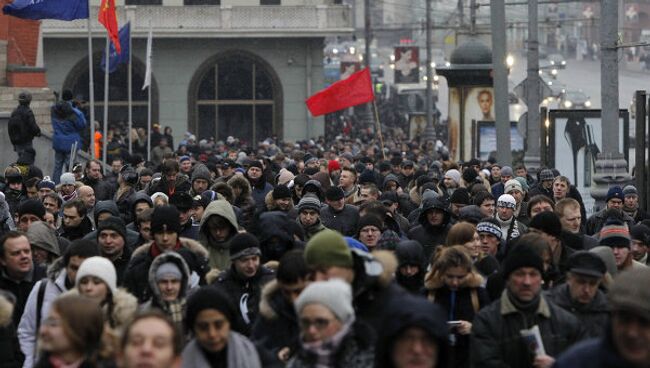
(77, 81)
(238, 94)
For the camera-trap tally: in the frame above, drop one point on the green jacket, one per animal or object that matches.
(219, 251)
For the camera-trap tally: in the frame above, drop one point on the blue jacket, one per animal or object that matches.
(66, 129)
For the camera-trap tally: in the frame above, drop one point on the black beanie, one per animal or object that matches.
(112, 223)
(244, 245)
(281, 191)
(370, 220)
(522, 256)
(334, 193)
(547, 222)
(209, 297)
(33, 207)
(367, 176)
(469, 175)
(182, 201)
(460, 196)
(255, 163)
(165, 218)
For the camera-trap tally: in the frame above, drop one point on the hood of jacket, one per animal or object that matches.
(390, 177)
(190, 244)
(176, 259)
(433, 203)
(202, 172)
(106, 206)
(241, 182)
(221, 208)
(435, 280)
(140, 197)
(410, 252)
(274, 223)
(40, 234)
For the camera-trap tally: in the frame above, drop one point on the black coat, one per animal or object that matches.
(22, 125)
(593, 316)
(344, 221)
(20, 289)
(103, 189)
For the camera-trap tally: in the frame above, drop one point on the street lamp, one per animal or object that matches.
(510, 61)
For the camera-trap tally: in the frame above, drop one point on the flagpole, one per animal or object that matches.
(106, 81)
(130, 93)
(381, 137)
(91, 87)
(149, 72)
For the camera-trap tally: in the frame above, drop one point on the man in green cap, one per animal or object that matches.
(328, 256)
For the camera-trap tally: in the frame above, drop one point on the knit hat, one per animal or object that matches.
(254, 163)
(370, 220)
(641, 233)
(285, 176)
(32, 207)
(309, 202)
(586, 263)
(520, 256)
(181, 200)
(67, 179)
(184, 158)
(471, 213)
(98, 267)
(629, 190)
(244, 245)
(489, 226)
(548, 223)
(334, 194)
(615, 192)
(326, 249)
(348, 156)
(168, 270)
(507, 201)
(112, 223)
(507, 171)
(546, 174)
(333, 165)
(335, 295)
(165, 218)
(209, 297)
(460, 196)
(311, 160)
(281, 191)
(454, 175)
(511, 185)
(46, 183)
(367, 176)
(615, 234)
(523, 183)
(630, 292)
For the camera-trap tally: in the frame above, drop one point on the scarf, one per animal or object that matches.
(69, 197)
(155, 251)
(175, 310)
(325, 350)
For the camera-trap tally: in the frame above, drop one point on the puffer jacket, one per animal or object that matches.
(67, 124)
(136, 279)
(593, 316)
(496, 339)
(27, 330)
(427, 235)
(356, 350)
(219, 252)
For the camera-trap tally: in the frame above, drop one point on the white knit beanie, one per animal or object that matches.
(506, 200)
(98, 267)
(335, 295)
(454, 175)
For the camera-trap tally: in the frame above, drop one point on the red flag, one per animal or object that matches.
(108, 18)
(355, 90)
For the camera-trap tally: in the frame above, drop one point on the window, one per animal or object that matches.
(143, 2)
(202, 2)
(270, 2)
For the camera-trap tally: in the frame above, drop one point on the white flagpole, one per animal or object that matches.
(147, 84)
(91, 87)
(106, 81)
(130, 92)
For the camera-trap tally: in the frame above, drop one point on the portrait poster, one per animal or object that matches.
(407, 65)
(478, 105)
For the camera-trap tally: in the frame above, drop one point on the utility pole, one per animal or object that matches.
(429, 134)
(533, 98)
(368, 31)
(461, 13)
(498, 23)
(472, 17)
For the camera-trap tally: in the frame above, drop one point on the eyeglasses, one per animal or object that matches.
(319, 323)
(370, 230)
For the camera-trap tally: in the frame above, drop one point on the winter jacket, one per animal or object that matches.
(125, 205)
(182, 184)
(125, 306)
(592, 353)
(14, 198)
(158, 153)
(578, 241)
(219, 252)
(596, 222)
(55, 285)
(67, 123)
(311, 230)
(259, 190)
(496, 339)
(10, 354)
(244, 201)
(593, 316)
(540, 190)
(468, 300)
(6, 219)
(277, 324)
(275, 231)
(84, 229)
(426, 234)
(136, 280)
(20, 289)
(22, 127)
(200, 171)
(344, 221)
(356, 350)
(410, 253)
(241, 353)
(245, 293)
(511, 228)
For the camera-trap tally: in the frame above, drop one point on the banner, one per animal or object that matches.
(115, 59)
(355, 90)
(48, 9)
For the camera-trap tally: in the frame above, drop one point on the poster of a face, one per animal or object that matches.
(478, 106)
(407, 65)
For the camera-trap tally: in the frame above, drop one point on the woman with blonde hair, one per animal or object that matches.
(464, 233)
(454, 284)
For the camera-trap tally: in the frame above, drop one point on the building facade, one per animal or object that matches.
(220, 68)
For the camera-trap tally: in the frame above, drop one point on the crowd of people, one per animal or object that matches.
(315, 254)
